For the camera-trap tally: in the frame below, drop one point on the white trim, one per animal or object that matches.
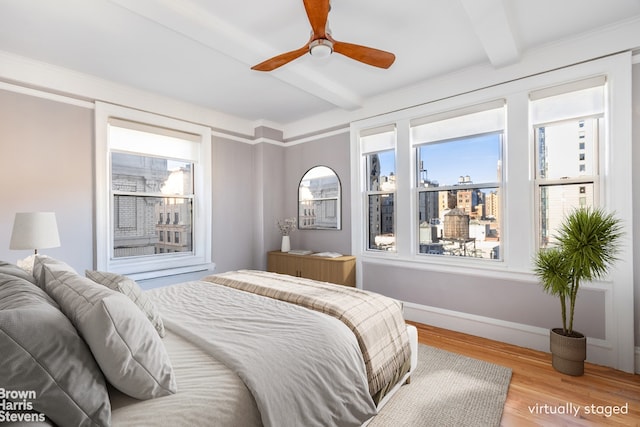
(172, 272)
(637, 360)
(316, 136)
(33, 73)
(286, 143)
(46, 95)
(599, 351)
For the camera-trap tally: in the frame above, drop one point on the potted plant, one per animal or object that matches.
(587, 244)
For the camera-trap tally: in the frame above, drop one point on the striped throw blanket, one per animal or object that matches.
(376, 320)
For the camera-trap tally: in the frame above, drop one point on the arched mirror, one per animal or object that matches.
(319, 200)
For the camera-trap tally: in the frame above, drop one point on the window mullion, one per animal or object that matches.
(405, 231)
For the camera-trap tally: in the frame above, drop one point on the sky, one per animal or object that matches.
(446, 161)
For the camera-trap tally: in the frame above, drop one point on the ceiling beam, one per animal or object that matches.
(491, 23)
(198, 24)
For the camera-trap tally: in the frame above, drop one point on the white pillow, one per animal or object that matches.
(130, 288)
(124, 343)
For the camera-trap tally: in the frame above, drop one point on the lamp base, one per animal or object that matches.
(27, 263)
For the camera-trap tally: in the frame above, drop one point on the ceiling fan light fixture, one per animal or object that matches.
(320, 48)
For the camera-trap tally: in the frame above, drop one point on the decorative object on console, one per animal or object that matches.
(286, 226)
(300, 252)
(34, 230)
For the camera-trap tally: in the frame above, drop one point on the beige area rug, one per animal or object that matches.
(448, 390)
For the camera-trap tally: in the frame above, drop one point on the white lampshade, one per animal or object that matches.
(34, 230)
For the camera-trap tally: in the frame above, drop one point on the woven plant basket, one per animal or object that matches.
(568, 353)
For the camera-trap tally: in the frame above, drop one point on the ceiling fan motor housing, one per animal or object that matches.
(321, 48)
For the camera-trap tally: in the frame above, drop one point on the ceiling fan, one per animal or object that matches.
(322, 44)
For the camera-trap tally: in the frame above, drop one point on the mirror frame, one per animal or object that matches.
(338, 198)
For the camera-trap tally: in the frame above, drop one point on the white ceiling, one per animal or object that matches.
(200, 51)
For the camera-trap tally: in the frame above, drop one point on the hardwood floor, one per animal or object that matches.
(540, 396)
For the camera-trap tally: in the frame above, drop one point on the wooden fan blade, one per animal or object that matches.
(278, 61)
(317, 11)
(367, 55)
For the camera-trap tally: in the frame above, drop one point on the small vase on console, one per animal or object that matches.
(286, 226)
(286, 244)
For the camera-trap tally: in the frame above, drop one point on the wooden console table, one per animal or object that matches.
(340, 270)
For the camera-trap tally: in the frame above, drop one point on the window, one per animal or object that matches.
(378, 148)
(568, 122)
(458, 180)
(139, 187)
(151, 170)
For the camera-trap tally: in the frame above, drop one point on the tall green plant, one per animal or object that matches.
(587, 244)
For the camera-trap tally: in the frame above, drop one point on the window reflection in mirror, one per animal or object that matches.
(319, 200)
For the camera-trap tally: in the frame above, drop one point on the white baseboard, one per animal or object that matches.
(598, 351)
(637, 360)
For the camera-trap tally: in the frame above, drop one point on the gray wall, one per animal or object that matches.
(333, 152)
(269, 200)
(46, 164)
(233, 204)
(495, 298)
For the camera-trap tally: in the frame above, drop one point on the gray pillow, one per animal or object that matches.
(14, 270)
(122, 340)
(42, 353)
(130, 288)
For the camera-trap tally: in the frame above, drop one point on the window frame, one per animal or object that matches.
(595, 178)
(145, 267)
(365, 188)
(494, 112)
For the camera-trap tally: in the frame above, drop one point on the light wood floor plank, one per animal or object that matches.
(537, 392)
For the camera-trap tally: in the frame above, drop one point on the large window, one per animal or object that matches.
(568, 124)
(153, 197)
(458, 179)
(481, 180)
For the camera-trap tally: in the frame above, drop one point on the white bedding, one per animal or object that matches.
(209, 393)
(302, 367)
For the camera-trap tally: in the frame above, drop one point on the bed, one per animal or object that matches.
(243, 348)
